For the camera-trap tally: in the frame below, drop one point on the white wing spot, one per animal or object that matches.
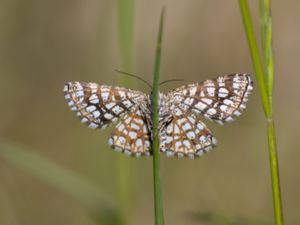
(191, 119)
(191, 135)
(170, 128)
(132, 134)
(229, 119)
(127, 152)
(200, 152)
(178, 112)
(117, 109)
(110, 105)
(122, 94)
(186, 127)
(94, 99)
(211, 111)
(237, 113)
(200, 106)
(169, 139)
(191, 155)
(84, 120)
(214, 141)
(147, 143)
(180, 154)
(96, 114)
(139, 143)
(121, 127)
(104, 96)
(202, 139)
(93, 125)
(189, 101)
(181, 121)
(145, 129)
(224, 92)
(211, 91)
(91, 108)
(127, 103)
(236, 85)
(108, 116)
(176, 129)
(169, 153)
(207, 101)
(193, 91)
(178, 144)
(110, 141)
(224, 108)
(228, 102)
(122, 140)
(134, 126)
(200, 126)
(66, 88)
(79, 93)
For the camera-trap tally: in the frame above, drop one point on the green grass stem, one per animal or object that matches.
(255, 55)
(266, 42)
(265, 79)
(158, 205)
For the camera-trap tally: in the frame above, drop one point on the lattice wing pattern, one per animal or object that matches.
(99, 105)
(181, 132)
(132, 134)
(185, 135)
(221, 99)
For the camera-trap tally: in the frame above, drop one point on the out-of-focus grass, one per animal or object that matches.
(126, 33)
(125, 167)
(98, 203)
(216, 218)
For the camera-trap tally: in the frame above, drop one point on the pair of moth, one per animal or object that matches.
(181, 131)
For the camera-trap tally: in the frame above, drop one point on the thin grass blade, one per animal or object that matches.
(65, 181)
(265, 78)
(125, 166)
(158, 205)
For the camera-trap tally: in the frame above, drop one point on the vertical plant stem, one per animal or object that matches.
(274, 167)
(158, 206)
(266, 41)
(265, 78)
(125, 166)
(255, 55)
(266, 38)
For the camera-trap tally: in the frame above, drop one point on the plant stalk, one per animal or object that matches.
(265, 78)
(274, 169)
(158, 205)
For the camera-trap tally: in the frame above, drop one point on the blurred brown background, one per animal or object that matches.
(43, 44)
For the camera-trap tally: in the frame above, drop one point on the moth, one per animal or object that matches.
(181, 131)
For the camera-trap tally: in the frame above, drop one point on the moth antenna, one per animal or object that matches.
(135, 76)
(171, 80)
